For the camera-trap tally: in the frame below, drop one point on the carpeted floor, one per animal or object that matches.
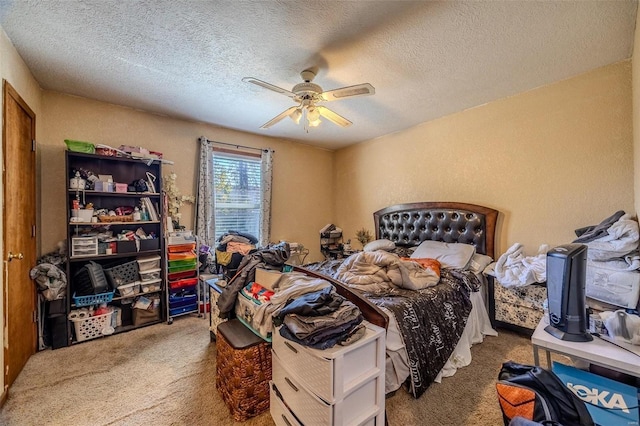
(165, 375)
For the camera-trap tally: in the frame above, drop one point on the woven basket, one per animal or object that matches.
(123, 218)
(242, 378)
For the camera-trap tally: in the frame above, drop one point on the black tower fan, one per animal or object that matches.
(566, 275)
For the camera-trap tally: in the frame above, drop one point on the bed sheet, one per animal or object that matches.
(397, 362)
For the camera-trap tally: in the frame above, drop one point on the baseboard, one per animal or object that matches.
(3, 397)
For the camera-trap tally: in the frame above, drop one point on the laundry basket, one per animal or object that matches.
(87, 328)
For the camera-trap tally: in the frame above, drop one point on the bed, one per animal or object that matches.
(429, 331)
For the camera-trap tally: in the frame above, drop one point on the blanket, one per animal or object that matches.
(431, 321)
(378, 270)
(514, 269)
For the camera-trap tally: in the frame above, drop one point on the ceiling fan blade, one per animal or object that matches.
(364, 89)
(279, 117)
(333, 117)
(269, 86)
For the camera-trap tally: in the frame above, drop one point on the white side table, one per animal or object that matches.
(596, 352)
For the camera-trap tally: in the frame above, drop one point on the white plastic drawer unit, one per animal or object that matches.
(358, 407)
(84, 246)
(279, 412)
(333, 373)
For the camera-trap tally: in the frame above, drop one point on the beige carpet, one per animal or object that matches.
(165, 375)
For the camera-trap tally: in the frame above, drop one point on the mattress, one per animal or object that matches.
(620, 288)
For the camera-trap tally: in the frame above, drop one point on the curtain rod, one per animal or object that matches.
(241, 146)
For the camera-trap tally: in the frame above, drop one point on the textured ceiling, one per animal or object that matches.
(425, 59)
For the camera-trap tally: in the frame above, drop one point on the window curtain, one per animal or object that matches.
(205, 218)
(265, 216)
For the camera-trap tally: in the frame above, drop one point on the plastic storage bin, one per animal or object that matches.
(151, 274)
(182, 256)
(84, 246)
(152, 285)
(123, 273)
(182, 275)
(182, 247)
(147, 263)
(183, 284)
(177, 301)
(129, 290)
(190, 263)
(93, 299)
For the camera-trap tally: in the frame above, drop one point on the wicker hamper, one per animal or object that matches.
(243, 370)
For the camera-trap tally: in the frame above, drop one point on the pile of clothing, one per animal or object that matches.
(613, 260)
(49, 274)
(231, 248)
(311, 312)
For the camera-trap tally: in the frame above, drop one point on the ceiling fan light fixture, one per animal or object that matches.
(315, 123)
(296, 115)
(313, 114)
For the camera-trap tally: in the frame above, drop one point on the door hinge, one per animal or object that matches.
(33, 145)
(33, 231)
(35, 316)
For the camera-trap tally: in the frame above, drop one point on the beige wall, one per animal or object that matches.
(302, 174)
(15, 72)
(550, 160)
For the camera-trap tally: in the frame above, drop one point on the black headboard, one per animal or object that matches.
(450, 222)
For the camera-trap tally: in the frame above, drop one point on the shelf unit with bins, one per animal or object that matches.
(183, 281)
(84, 247)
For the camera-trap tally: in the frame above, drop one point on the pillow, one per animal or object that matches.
(450, 255)
(479, 262)
(383, 244)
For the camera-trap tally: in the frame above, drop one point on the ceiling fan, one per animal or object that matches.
(308, 95)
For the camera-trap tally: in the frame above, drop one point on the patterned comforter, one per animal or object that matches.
(431, 321)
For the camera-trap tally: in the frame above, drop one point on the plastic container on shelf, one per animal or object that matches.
(151, 274)
(123, 273)
(152, 285)
(187, 255)
(191, 263)
(174, 269)
(128, 290)
(182, 247)
(93, 299)
(182, 275)
(182, 284)
(149, 262)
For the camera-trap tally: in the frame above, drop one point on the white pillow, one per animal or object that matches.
(479, 262)
(450, 255)
(383, 244)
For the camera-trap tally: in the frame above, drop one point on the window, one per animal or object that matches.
(237, 193)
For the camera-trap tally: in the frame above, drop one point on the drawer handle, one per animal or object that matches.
(286, 379)
(291, 347)
(285, 420)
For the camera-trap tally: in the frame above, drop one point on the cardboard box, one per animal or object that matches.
(609, 402)
(267, 278)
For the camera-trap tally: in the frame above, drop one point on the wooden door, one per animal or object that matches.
(19, 220)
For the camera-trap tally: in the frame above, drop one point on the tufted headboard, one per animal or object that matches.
(410, 224)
